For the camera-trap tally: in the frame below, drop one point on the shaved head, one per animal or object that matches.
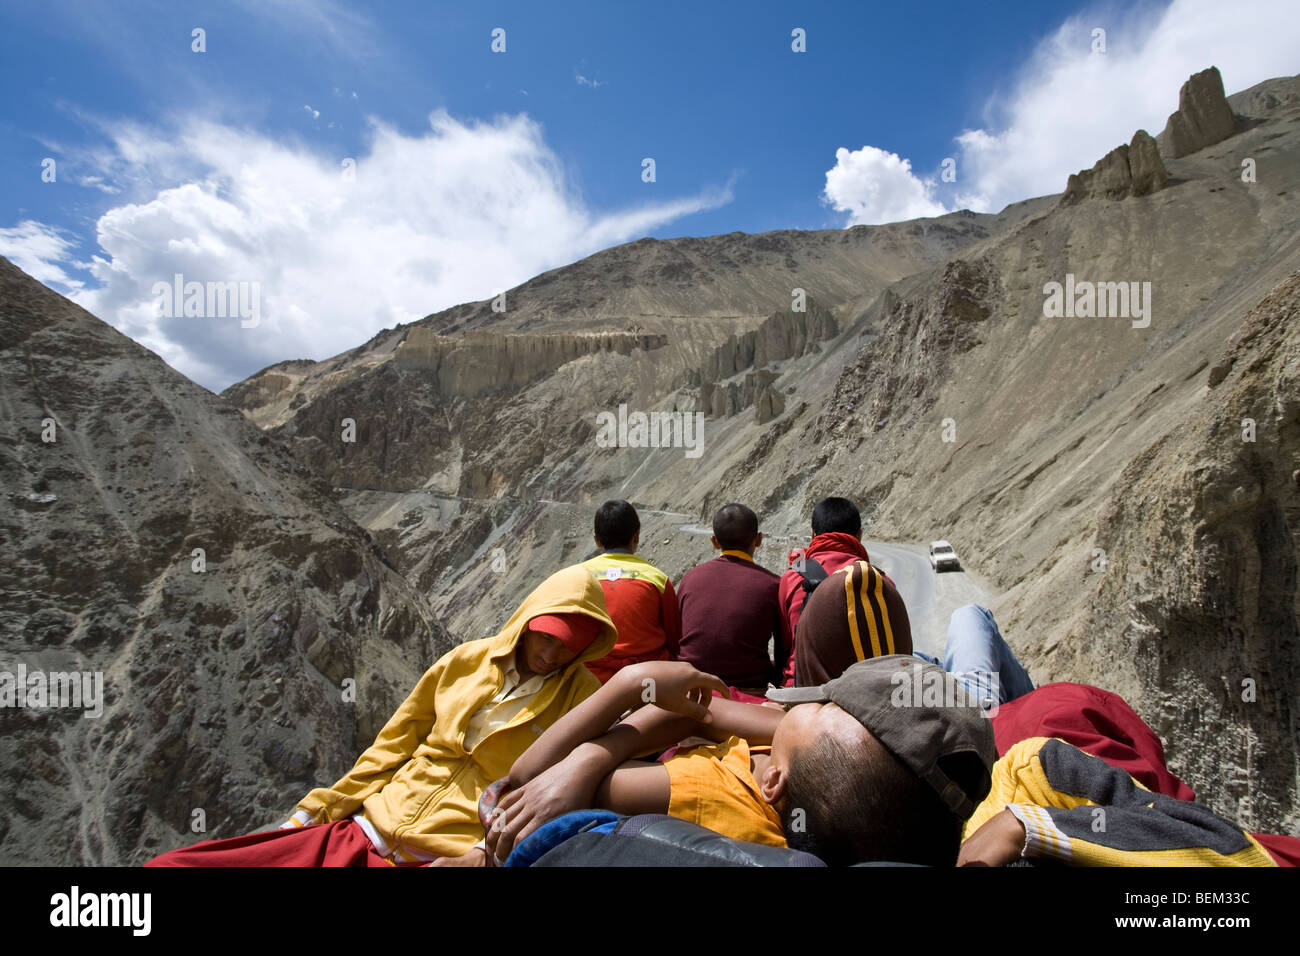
(849, 800)
(735, 527)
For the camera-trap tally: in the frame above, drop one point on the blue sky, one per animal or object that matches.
(475, 169)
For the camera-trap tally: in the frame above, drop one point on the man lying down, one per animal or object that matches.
(859, 769)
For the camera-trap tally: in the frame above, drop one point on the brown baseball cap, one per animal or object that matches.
(922, 714)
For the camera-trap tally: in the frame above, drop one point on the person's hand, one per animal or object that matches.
(1000, 841)
(475, 857)
(678, 687)
(552, 793)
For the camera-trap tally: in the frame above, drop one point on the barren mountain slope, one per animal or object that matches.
(1211, 615)
(222, 689)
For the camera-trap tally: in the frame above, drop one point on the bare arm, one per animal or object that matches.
(652, 729)
(597, 772)
(733, 718)
(674, 685)
(600, 772)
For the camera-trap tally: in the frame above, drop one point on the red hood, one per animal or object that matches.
(833, 542)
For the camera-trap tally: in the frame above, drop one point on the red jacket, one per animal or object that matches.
(641, 602)
(832, 551)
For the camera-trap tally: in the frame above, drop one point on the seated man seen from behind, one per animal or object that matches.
(729, 607)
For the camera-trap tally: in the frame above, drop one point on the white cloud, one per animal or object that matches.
(1067, 106)
(430, 220)
(314, 114)
(97, 182)
(874, 186)
(38, 249)
(583, 81)
(338, 27)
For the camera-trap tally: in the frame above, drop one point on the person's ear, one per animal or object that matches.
(758, 539)
(596, 538)
(772, 783)
(635, 542)
(716, 545)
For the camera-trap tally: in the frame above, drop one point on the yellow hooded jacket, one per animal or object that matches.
(418, 785)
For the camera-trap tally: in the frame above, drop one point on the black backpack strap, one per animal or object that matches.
(813, 574)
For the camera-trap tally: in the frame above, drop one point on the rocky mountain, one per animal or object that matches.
(1135, 169)
(1204, 116)
(247, 638)
(1092, 395)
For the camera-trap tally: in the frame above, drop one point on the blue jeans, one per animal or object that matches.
(977, 656)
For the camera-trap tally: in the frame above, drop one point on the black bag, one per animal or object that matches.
(656, 840)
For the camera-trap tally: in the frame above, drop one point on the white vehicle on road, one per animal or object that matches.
(943, 557)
